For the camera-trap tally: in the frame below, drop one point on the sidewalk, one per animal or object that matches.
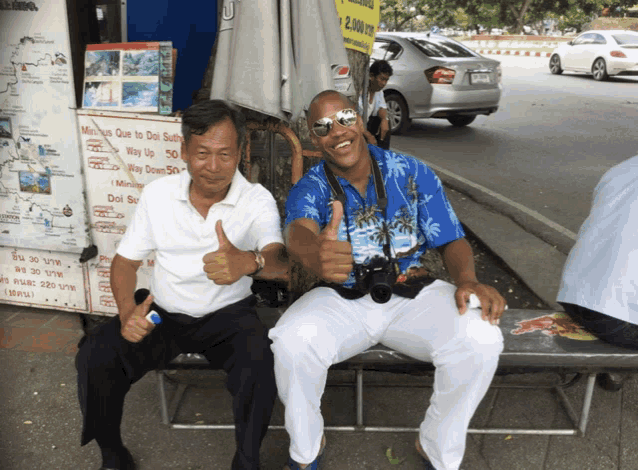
(41, 418)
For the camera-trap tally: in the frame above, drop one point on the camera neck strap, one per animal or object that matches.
(382, 199)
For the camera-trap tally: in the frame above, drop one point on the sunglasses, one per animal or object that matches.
(345, 118)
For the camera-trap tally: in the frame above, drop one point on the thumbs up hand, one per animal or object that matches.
(227, 264)
(136, 327)
(335, 257)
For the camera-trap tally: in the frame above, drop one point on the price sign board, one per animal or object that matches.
(359, 20)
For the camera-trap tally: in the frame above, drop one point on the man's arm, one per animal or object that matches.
(385, 124)
(132, 317)
(321, 252)
(276, 263)
(459, 260)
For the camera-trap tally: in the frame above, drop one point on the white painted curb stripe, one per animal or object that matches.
(513, 53)
(532, 213)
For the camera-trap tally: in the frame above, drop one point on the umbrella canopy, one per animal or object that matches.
(273, 56)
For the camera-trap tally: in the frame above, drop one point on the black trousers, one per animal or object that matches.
(609, 329)
(232, 338)
(374, 127)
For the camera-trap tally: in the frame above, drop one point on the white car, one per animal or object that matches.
(599, 53)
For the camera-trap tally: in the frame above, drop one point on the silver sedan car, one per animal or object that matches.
(599, 53)
(436, 77)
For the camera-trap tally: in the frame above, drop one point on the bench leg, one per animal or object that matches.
(162, 395)
(167, 416)
(359, 400)
(580, 423)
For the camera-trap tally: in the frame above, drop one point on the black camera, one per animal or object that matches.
(377, 277)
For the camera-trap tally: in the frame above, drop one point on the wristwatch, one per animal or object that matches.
(259, 259)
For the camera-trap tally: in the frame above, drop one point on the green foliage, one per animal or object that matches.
(419, 15)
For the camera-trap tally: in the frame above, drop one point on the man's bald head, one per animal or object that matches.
(327, 94)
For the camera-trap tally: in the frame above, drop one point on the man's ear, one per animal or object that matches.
(313, 137)
(359, 123)
(183, 152)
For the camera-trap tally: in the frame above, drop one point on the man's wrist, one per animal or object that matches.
(259, 261)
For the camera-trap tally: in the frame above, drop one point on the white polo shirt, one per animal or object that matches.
(167, 223)
(601, 272)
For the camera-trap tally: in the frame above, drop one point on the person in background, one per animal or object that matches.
(378, 127)
(599, 285)
(212, 232)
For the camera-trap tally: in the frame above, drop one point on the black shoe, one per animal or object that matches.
(612, 382)
(128, 465)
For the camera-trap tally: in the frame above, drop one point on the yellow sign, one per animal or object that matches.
(359, 20)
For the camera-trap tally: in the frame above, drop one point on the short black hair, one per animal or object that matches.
(199, 118)
(381, 66)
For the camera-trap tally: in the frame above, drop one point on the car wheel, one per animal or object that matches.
(554, 65)
(397, 113)
(461, 121)
(599, 70)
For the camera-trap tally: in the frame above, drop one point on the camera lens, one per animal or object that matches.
(381, 293)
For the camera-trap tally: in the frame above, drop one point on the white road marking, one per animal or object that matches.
(532, 213)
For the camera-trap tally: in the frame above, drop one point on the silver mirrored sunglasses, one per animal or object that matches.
(345, 118)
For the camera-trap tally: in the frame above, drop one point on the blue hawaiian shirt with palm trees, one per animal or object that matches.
(419, 214)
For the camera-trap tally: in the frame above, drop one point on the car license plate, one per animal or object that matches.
(480, 79)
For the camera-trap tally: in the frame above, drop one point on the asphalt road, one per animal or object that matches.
(545, 149)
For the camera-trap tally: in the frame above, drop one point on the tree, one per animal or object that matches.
(418, 15)
(517, 13)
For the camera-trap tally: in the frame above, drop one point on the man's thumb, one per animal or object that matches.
(146, 305)
(221, 236)
(332, 229)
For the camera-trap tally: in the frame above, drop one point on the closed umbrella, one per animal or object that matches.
(273, 56)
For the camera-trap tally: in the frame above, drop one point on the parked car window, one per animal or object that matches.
(379, 48)
(382, 50)
(626, 39)
(441, 47)
(583, 39)
(599, 39)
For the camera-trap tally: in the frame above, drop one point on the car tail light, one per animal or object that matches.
(340, 70)
(619, 54)
(499, 74)
(440, 76)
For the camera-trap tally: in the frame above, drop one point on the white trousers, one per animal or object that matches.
(322, 328)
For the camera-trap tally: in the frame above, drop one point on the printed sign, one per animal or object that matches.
(123, 152)
(359, 20)
(40, 278)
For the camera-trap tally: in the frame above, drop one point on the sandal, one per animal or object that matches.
(292, 465)
(426, 461)
(314, 465)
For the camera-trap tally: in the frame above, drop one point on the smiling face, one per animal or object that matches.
(211, 159)
(345, 148)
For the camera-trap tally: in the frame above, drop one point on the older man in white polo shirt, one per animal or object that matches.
(211, 232)
(599, 286)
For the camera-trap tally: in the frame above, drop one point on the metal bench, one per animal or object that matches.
(535, 341)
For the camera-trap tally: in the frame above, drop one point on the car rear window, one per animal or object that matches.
(626, 39)
(441, 47)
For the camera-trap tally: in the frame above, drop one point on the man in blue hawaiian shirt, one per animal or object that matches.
(424, 318)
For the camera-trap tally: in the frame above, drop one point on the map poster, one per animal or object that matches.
(122, 153)
(39, 278)
(359, 20)
(42, 196)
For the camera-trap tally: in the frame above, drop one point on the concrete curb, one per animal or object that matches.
(513, 53)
